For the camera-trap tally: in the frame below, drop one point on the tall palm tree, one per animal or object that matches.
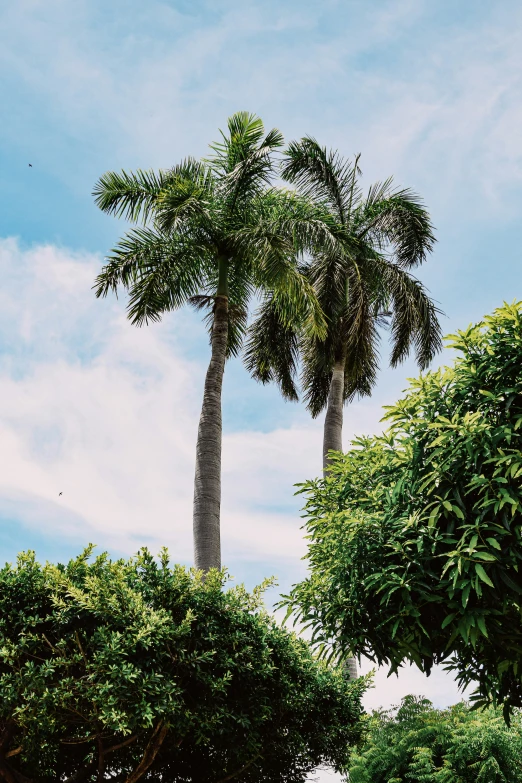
(365, 286)
(212, 234)
(361, 288)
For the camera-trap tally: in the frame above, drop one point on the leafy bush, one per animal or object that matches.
(132, 670)
(415, 537)
(420, 744)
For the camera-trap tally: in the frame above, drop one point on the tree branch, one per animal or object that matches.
(239, 771)
(6, 774)
(101, 760)
(50, 645)
(11, 775)
(78, 741)
(6, 734)
(120, 744)
(151, 751)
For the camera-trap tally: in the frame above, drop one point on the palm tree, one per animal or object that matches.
(213, 233)
(362, 288)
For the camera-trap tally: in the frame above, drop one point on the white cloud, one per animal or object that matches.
(107, 414)
(439, 687)
(112, 431)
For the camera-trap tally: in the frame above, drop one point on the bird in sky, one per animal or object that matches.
(31, 165)
(60, 493)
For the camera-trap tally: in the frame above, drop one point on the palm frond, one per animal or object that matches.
(237, 329)
(414, 320)
(130, 195)
(281, 229)
(201, 301)
(359, 287)
(248, 177)
(329, 275)
(243, 161)
(292, 293)
(187, 198)
(307, 226)
(245, 135)
(318, 358)
(397, 220)
(193, 170)
(245, 132)
(160, 273)
(360, 337)
(377, 193)
(353, 334)
(322, 176)
(271, 351)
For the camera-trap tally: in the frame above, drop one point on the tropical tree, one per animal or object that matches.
(415, 535)
(366, 285)
(214, 232)
(135, 670)
(416, 742)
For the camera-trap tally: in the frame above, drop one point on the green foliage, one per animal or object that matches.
(132, 670)
(362, 282)
(419, 744)
(215, 227)
(415, 537)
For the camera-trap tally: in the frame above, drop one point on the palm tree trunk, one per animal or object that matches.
(207, 482)
(333, 441)
(350, 668)
(333, 423)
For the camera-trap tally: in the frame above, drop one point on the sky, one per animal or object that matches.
(107, 413)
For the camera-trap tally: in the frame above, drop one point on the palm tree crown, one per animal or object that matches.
(385, 234)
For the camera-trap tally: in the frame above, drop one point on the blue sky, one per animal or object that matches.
(428, 92)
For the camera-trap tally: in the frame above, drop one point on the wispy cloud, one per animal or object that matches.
(413, 92)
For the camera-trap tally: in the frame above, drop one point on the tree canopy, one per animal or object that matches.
(215, 226)
(133, 670)
(417, 743)
(415, 535)
(363, 284)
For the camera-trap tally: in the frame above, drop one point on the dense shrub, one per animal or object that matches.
(415, 537)
(419, 744)
(132, 670)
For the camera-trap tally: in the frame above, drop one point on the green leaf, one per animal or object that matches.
(485, 556)
(482, 575)
(434, 516)
(447, 620)
(482, 625)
